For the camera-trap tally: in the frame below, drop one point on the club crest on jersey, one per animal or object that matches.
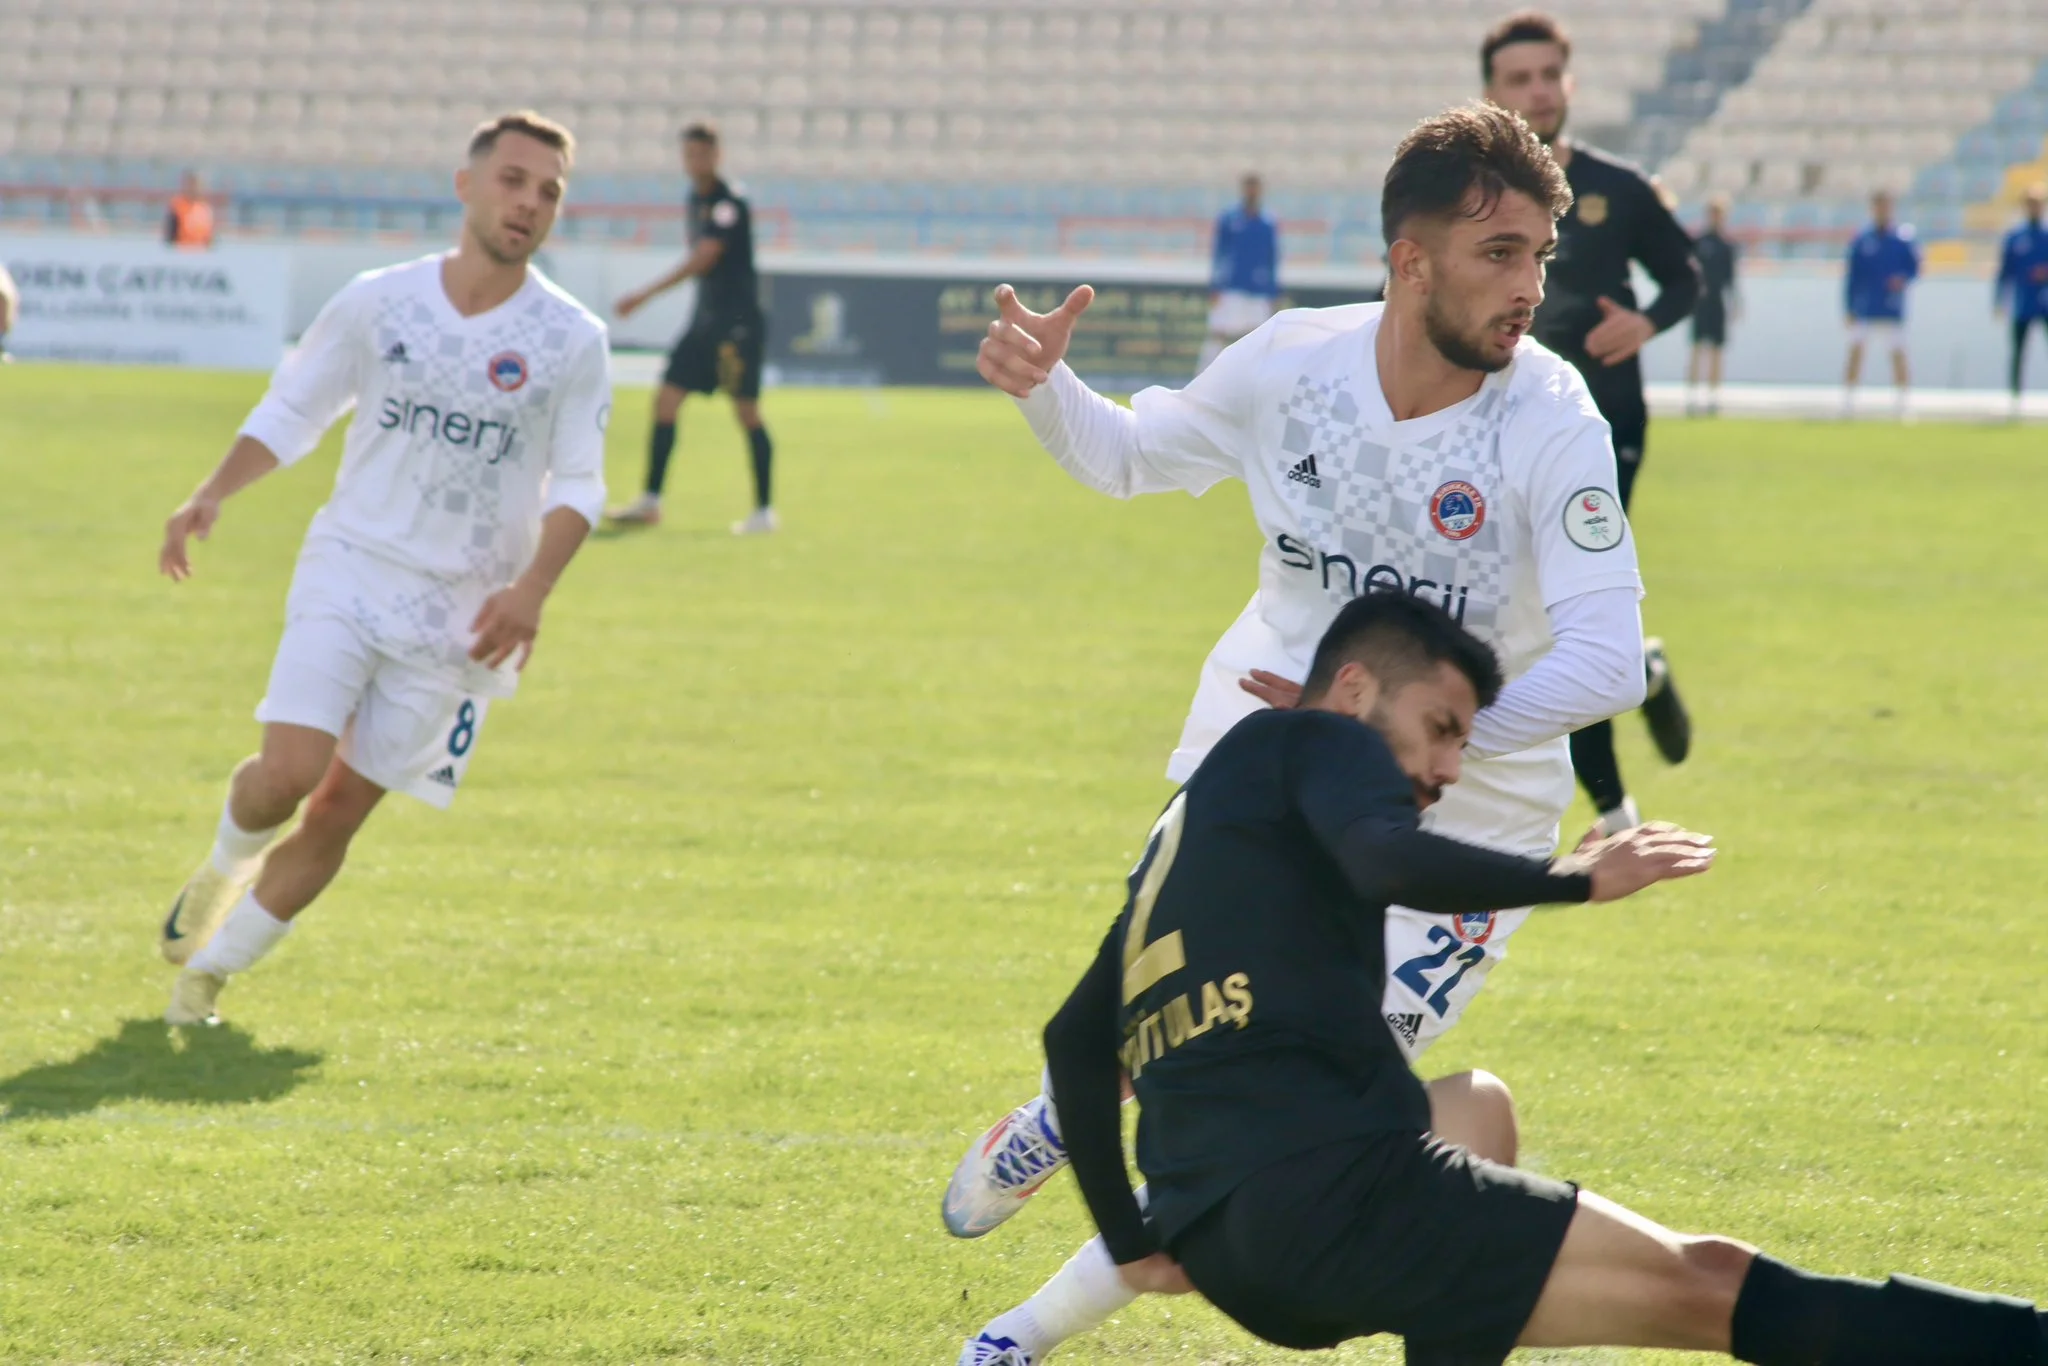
(1593, 519)
(507, 370)
(1457, 511)
(1592, 209)
(1475, 928)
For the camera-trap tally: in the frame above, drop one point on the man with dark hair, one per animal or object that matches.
(1426, 447)
(1589, 317)
(1295, 1177)
(1718, 256)
(725, 342)
(472, 472)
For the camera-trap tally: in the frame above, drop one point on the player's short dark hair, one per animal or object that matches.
(1523, 26)
(1400, 638)
(527, 123)
(1461, 162)
(701, 132)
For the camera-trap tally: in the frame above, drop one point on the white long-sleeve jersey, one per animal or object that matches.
(1501, 508)
(467, 430)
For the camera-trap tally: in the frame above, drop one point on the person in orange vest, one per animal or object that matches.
(189, 223)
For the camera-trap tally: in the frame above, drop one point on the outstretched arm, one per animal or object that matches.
(705, 255)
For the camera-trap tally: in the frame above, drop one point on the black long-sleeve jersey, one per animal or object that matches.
(1240, 988)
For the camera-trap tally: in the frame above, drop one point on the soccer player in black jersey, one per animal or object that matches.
(1718, 256)
(1294, 1180)
(728, 332)
(1589, 316)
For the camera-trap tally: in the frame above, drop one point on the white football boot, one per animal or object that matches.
(202, 904)
(642, 511)
(1005, 1167)
(764, 522)
(192, 998)
(986, 1349)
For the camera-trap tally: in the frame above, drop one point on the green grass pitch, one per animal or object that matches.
(661, 1044)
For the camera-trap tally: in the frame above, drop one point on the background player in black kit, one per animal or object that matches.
(1717, 255)
(726, 338)
(1293, 1178)
(1589, 317)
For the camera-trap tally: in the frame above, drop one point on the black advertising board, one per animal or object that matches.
(874, 329)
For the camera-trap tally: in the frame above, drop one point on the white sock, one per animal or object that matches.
(1080, 1296)
(233, 847)
(246, 935)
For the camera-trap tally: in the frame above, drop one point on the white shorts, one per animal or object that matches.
(1236, 314)
(1878, 332)
(1513, 802)
(359, 660)
(400, 726)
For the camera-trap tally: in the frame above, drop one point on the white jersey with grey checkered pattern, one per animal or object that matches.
(467, 431)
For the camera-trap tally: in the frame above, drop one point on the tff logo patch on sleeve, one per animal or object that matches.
(1593, 520)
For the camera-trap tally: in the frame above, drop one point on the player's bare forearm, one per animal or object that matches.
(246, 461)
(562, 533)
(701, 259)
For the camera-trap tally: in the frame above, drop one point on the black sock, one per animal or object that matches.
(1599, 771)
(763, 452)
(658, 448)
(1788, 1317)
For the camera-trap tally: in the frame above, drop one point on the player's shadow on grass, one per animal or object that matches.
(217, 1066)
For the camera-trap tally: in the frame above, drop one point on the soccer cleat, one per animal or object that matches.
(1004, 1168)
(202, 904)
(761, 523)
(1670, 724)
(986, 1349)
(642, 511)
(192, 998)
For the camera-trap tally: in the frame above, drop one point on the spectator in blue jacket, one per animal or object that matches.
(2022, 285)
(1883, 260)
(1244, 276)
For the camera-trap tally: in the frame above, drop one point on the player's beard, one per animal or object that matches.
(1453, 345)
(503, 248)
(1378, 718)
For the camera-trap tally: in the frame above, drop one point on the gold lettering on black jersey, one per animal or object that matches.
(1145, 964)
(1173, 1024)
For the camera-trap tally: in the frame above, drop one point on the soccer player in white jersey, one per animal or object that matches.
(1425, 446)
(472, 472)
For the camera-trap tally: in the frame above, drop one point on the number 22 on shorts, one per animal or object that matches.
(1418, 974)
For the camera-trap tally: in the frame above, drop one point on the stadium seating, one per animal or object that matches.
(1078, 125)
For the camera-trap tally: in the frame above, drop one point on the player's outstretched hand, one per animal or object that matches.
(1281, 694)
(1624, 864)
(1157, 1274)
(1621, 333)
(1022, 347)
(506, 624)
(194, 518)
(629, 304)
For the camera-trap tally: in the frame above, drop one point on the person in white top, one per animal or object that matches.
(1428, 446)
(471, 474)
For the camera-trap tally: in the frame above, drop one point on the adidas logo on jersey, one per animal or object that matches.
(396, 355)
(445, 775)
(1407, 1026)
(1305, 473)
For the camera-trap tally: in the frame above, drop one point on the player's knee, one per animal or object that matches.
(335, 811)
(668, 402)
(1494, 1105)
(1711, 1271)
(747, 413)
(284, 776)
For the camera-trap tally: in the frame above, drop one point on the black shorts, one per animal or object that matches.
(721, 352)
(1710, 325)
(1392, 1233)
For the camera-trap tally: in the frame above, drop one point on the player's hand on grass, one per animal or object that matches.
(1621, 333)
(506, 624)
(1022, 347)
(1157, 1274)
(1281, 694)
(1624, 864)
(194, 518)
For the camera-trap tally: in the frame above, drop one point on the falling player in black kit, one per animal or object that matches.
(728, 332)
(1294, 1180)
(1589, 317)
